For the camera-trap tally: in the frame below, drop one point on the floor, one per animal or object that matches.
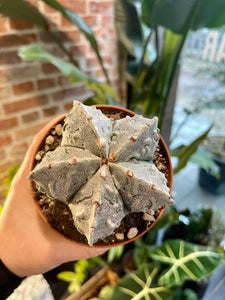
(188, 194)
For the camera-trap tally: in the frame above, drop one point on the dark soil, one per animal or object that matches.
(58, 213)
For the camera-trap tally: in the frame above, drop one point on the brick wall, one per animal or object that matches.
(33, 93)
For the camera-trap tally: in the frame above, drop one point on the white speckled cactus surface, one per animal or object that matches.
(103, 170)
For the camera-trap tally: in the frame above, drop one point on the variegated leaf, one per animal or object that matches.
(187, 261)
(141, 285)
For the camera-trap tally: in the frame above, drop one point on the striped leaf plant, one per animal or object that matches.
(183, 261)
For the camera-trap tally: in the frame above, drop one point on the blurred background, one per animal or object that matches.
(153, 57)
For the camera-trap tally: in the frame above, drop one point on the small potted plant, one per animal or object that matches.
(101, 175)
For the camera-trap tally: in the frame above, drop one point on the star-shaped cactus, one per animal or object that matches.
(103, 170)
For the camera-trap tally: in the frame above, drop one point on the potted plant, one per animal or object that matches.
(214, 183)
(84, 165)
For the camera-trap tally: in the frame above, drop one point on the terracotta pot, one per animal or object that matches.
(39, 140)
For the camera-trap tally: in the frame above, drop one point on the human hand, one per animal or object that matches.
(28, 245)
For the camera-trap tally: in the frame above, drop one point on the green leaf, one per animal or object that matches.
(82, 25)
(141, 285)
(186, 261)
(67, 276)
(22, 10)
(184, 152)
(115, 252)
(189, 294)
(74, 286)
(186, 294)
(171, 44)
(203, 159)
(35, 52)
(128, 27)
(104, 93)
(192, 227)
(178, 15)
(105, 292)
(141, 255)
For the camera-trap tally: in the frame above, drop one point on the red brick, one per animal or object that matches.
(107, 21)
(54, 21)
(29, 131)
(25, 104)
(45, 37)
(15, 40)
(110, 46)
(4, 75)
(68, 106)
(22, 88)
(105, 32)
(48, 68)
(50, 111)
(4, 92)
(3, 24)
(20, 24)
(99, 72)
(30, 117)
(66, 94)
(73, 35)
(62, 81)
(47, 9)
(18, 150)
(5, 140)
(8, 123)
(55, 50)
(64, 37)
(76, 6)
(69, 93)
(91, 20)
(104, 7)
(9, 58)
(24, 73)
(78, 50)
(2, 154)
(108, 59)
(92, 62)
(5, 165)
(46, 83)
(66, 23)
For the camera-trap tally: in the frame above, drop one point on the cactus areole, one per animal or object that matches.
(103, 170)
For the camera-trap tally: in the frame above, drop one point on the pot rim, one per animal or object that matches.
(36, 145)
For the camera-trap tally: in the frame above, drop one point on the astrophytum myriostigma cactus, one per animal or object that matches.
(103, 170)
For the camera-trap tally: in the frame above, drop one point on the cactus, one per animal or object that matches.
(103, 170)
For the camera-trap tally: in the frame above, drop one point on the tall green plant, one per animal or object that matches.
(153, 78)
(164, 25)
